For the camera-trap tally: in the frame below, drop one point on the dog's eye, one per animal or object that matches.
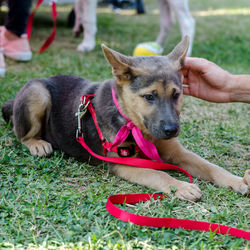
(149, 97)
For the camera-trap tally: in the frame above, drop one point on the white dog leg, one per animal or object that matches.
(185, 19)
(89, 26)
(166, 21)
(78, 8)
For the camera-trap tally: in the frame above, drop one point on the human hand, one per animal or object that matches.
(205, 80)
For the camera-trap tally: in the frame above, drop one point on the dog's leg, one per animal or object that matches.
(157, 180)
(185, 19)
(89, 26)
(78, 8)
(30, 113)
(171, 150)
(166, 21)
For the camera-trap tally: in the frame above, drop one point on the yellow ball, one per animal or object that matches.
(148, 49)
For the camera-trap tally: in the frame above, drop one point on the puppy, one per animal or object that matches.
(85, 11)
(149, 93)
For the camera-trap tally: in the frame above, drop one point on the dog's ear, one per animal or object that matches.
(178, 54)
(121, 65)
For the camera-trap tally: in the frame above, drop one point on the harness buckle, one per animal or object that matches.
(82, 109)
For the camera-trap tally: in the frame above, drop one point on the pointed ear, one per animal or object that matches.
(121, 65)
(178, 54)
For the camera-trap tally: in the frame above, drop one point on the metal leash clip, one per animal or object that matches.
(82, 109)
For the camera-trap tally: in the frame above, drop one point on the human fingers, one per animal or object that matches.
(186, 90)
(184, 72)
(185, 81)
(195, 63)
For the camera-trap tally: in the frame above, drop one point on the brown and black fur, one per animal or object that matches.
(149, 92)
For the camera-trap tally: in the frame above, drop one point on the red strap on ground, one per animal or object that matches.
(153, 221)
(165, 222)
(51, 37)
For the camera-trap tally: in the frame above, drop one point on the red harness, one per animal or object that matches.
(107, 146)
(136, 198)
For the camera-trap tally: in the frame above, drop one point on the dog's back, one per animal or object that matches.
(43, 115)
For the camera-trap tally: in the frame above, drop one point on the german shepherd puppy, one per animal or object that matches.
(149, 92)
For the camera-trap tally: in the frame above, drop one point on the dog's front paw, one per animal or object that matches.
(39, 147)
(86, 46)
(241, 185)
(246, 178)
(76, 32)
(188, 191)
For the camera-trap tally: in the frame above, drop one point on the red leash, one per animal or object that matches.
(135, 198)
(165, 222)
(51, 37)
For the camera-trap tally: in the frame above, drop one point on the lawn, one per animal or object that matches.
(58, 202)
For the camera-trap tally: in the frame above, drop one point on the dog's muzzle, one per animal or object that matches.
(171, 130)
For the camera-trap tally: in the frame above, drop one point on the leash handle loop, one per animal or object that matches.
(51, 37)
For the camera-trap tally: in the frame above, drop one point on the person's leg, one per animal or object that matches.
(13, 38)
(17, 16)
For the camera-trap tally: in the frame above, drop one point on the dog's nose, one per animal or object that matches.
(170, 130)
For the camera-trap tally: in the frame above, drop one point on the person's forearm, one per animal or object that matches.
(239, 88)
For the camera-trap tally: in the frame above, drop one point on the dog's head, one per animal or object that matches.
(149, 89)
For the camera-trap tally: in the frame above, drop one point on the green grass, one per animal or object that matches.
(58, 202)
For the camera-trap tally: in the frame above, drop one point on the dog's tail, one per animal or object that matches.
(7, 110)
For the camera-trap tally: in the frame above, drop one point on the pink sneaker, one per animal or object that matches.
(2, 64)
(16, 48)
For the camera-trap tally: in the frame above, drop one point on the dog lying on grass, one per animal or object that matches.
(149, 93)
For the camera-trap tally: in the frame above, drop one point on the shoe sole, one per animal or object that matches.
(22, 56)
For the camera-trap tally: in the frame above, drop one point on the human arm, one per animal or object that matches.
(206, 80)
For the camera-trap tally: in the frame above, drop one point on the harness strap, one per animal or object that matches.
(51, 37)
(147, 147)
(135, 162)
